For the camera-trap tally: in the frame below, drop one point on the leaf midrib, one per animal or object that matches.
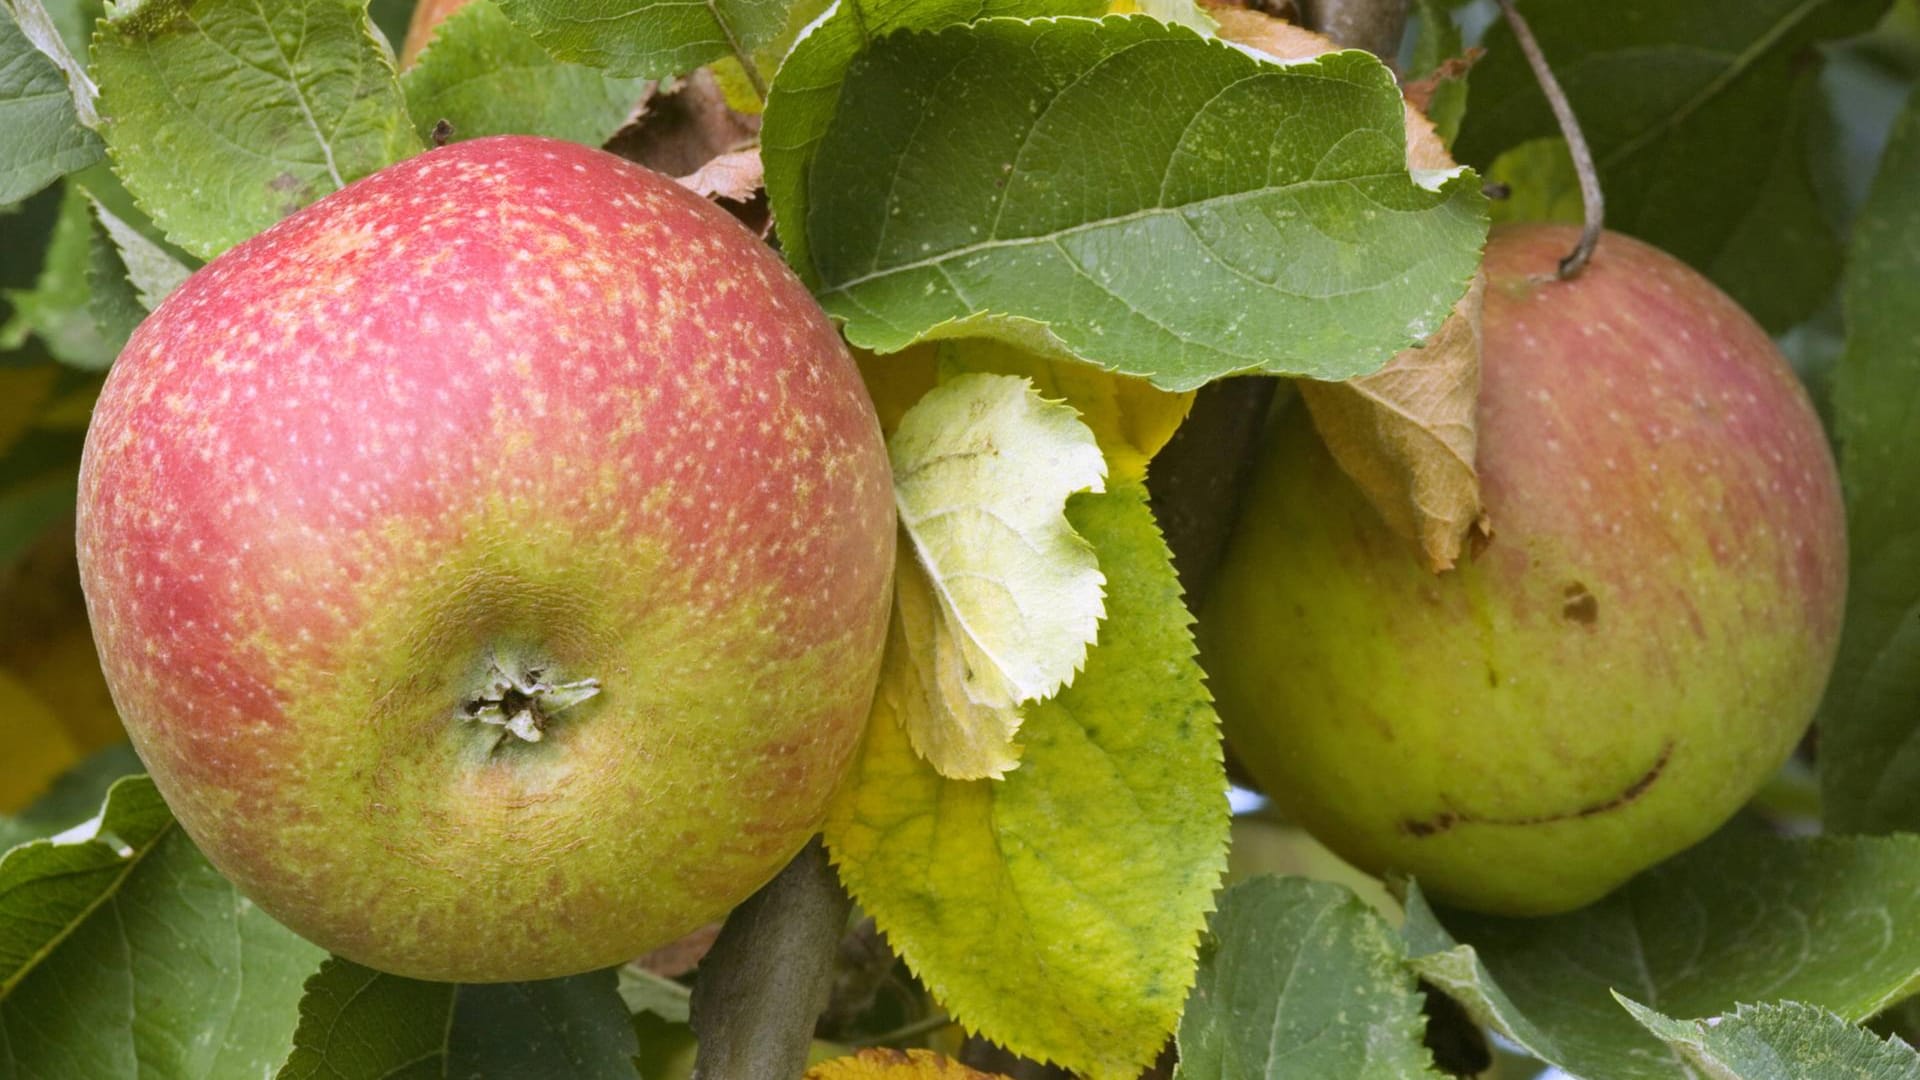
(39, 955)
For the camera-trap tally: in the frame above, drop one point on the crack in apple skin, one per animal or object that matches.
(1447, 820)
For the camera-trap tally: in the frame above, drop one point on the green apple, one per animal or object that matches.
(1638, 647)
(491, 561)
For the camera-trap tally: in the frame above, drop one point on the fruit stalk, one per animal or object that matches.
(1592, 203)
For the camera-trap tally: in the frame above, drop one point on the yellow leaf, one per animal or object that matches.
(925, 676)
(37, 747)
(1130, 417)
(1058, 911)
(47, 643)
(982, 469)
(23, 393)
(898, 381)
(1406, 434)
(880, 1064)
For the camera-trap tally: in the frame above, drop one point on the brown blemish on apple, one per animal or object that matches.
(1581, 605)
(1448, 819)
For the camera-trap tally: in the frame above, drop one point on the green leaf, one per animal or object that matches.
(1541, 183)
(1869, 728)
(1787, 1041)
(998, 597)
(224, 116)
(361, 1024)
(486, 76)
(1255, 217)
(127, 276)
(1697, 114)
(651, 38)
(56, 309)
(1300, 978)
(645, 992)
(122, 953)
(1439, 42)
(112, 299)
(1057, 911)
(41, 136)
(72, 799)
(1746, 916)
(806, 90)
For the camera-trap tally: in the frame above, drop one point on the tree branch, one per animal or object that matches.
(764, 985)
(1373, 25)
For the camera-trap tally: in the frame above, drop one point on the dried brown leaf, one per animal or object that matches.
(1405, 433)
(1419, 92)
(680, 956)
(734, 176)
(686, 123)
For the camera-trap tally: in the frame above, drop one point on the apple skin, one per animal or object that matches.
(513, 402)
(1641, 643)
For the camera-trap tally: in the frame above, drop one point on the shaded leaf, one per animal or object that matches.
(150, 269)
(1869, 725)
(1437, 80)
(56, 309)
(41, 135)
(1057, 911)
(643, 991)
(1300, 978)
(1223, 235)
(1743, 917)
(1697, 114)
(123, 953)
(360, 1024)
(486, 76)
(1788, 1041)
(224, 117)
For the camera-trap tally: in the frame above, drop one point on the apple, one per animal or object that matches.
(1638, 647)
(491, 562)
(427, 17)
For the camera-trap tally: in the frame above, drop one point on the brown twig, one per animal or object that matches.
(1591, 200)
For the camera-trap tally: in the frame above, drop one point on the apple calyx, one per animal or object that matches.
(525, 703)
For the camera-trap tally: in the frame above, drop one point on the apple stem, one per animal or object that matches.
(523, 703)
(1591, 200)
